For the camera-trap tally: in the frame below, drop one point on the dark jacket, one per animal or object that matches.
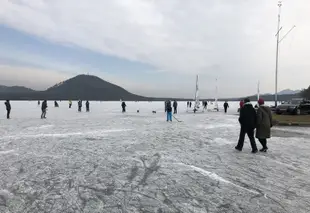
(264, 122)
(168, 107)
(247, 117)
(175, 104)
(7, 105)
(87, 104)
(226, 105)
(123, 104)
(44, 105)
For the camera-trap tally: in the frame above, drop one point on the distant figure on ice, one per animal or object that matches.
(190, 104)
(175, 107)
(87, 106)
(70, 104)
(56, 104)
(44, 108)
(8, 109)
(39, 103)
(166, 106)
(226, 106)
(264, 124)
(169, 111)
(205, 105)
(247, 120)
(124, 106)
(80, 106)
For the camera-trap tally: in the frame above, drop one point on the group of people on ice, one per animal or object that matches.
(251, 119)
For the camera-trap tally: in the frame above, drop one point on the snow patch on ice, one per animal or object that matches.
(214, 176)
(40, 127)
(7, 152)
(214, 126)
(65, 135)
(223, 141)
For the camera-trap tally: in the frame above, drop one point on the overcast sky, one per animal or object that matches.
(155, 47)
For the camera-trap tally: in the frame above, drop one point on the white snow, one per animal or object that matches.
(107, 161)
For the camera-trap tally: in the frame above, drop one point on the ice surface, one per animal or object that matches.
(106, 161)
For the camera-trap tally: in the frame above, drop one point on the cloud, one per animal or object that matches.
(230, 40)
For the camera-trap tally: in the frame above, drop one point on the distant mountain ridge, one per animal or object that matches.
(85, 87)
(88, 87)
(14, 89)
(289, 92)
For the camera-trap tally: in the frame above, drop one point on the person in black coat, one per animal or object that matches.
(44, 108)
(87, 106)
(124, 106)
(175, 107)
(226, 106)
(247, 120)
(80, 105)
(8, 109)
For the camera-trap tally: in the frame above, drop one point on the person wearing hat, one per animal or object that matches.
(264, 124)
(247, 120)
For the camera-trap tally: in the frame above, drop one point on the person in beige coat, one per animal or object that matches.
(264, 124)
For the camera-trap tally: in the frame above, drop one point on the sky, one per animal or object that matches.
(156, 47)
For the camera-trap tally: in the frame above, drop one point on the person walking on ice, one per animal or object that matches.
(87, 106)
(264, 124)
(8, 109)
(175, 107)
(169, 111)
(44, 108)
(226, 106)
(247, 120)
(80, 106)
(70, 104)
(124, 106)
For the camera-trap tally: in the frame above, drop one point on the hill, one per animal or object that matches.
(91, 88)
(88, 87)
(289, 92)
(85, 87)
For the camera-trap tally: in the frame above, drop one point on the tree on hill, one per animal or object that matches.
(306, 93)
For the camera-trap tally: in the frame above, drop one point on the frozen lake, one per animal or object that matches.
(106, 161)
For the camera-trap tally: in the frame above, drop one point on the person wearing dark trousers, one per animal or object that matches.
(124, 106)
(175, 107)
(264, 124)
(44, 108)
(247, 120)
(87, 106)
(226, 106)
(80, 106)
(169, 111)
(8, 109)
(190, 104)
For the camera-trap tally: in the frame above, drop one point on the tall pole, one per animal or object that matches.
(277, 55)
